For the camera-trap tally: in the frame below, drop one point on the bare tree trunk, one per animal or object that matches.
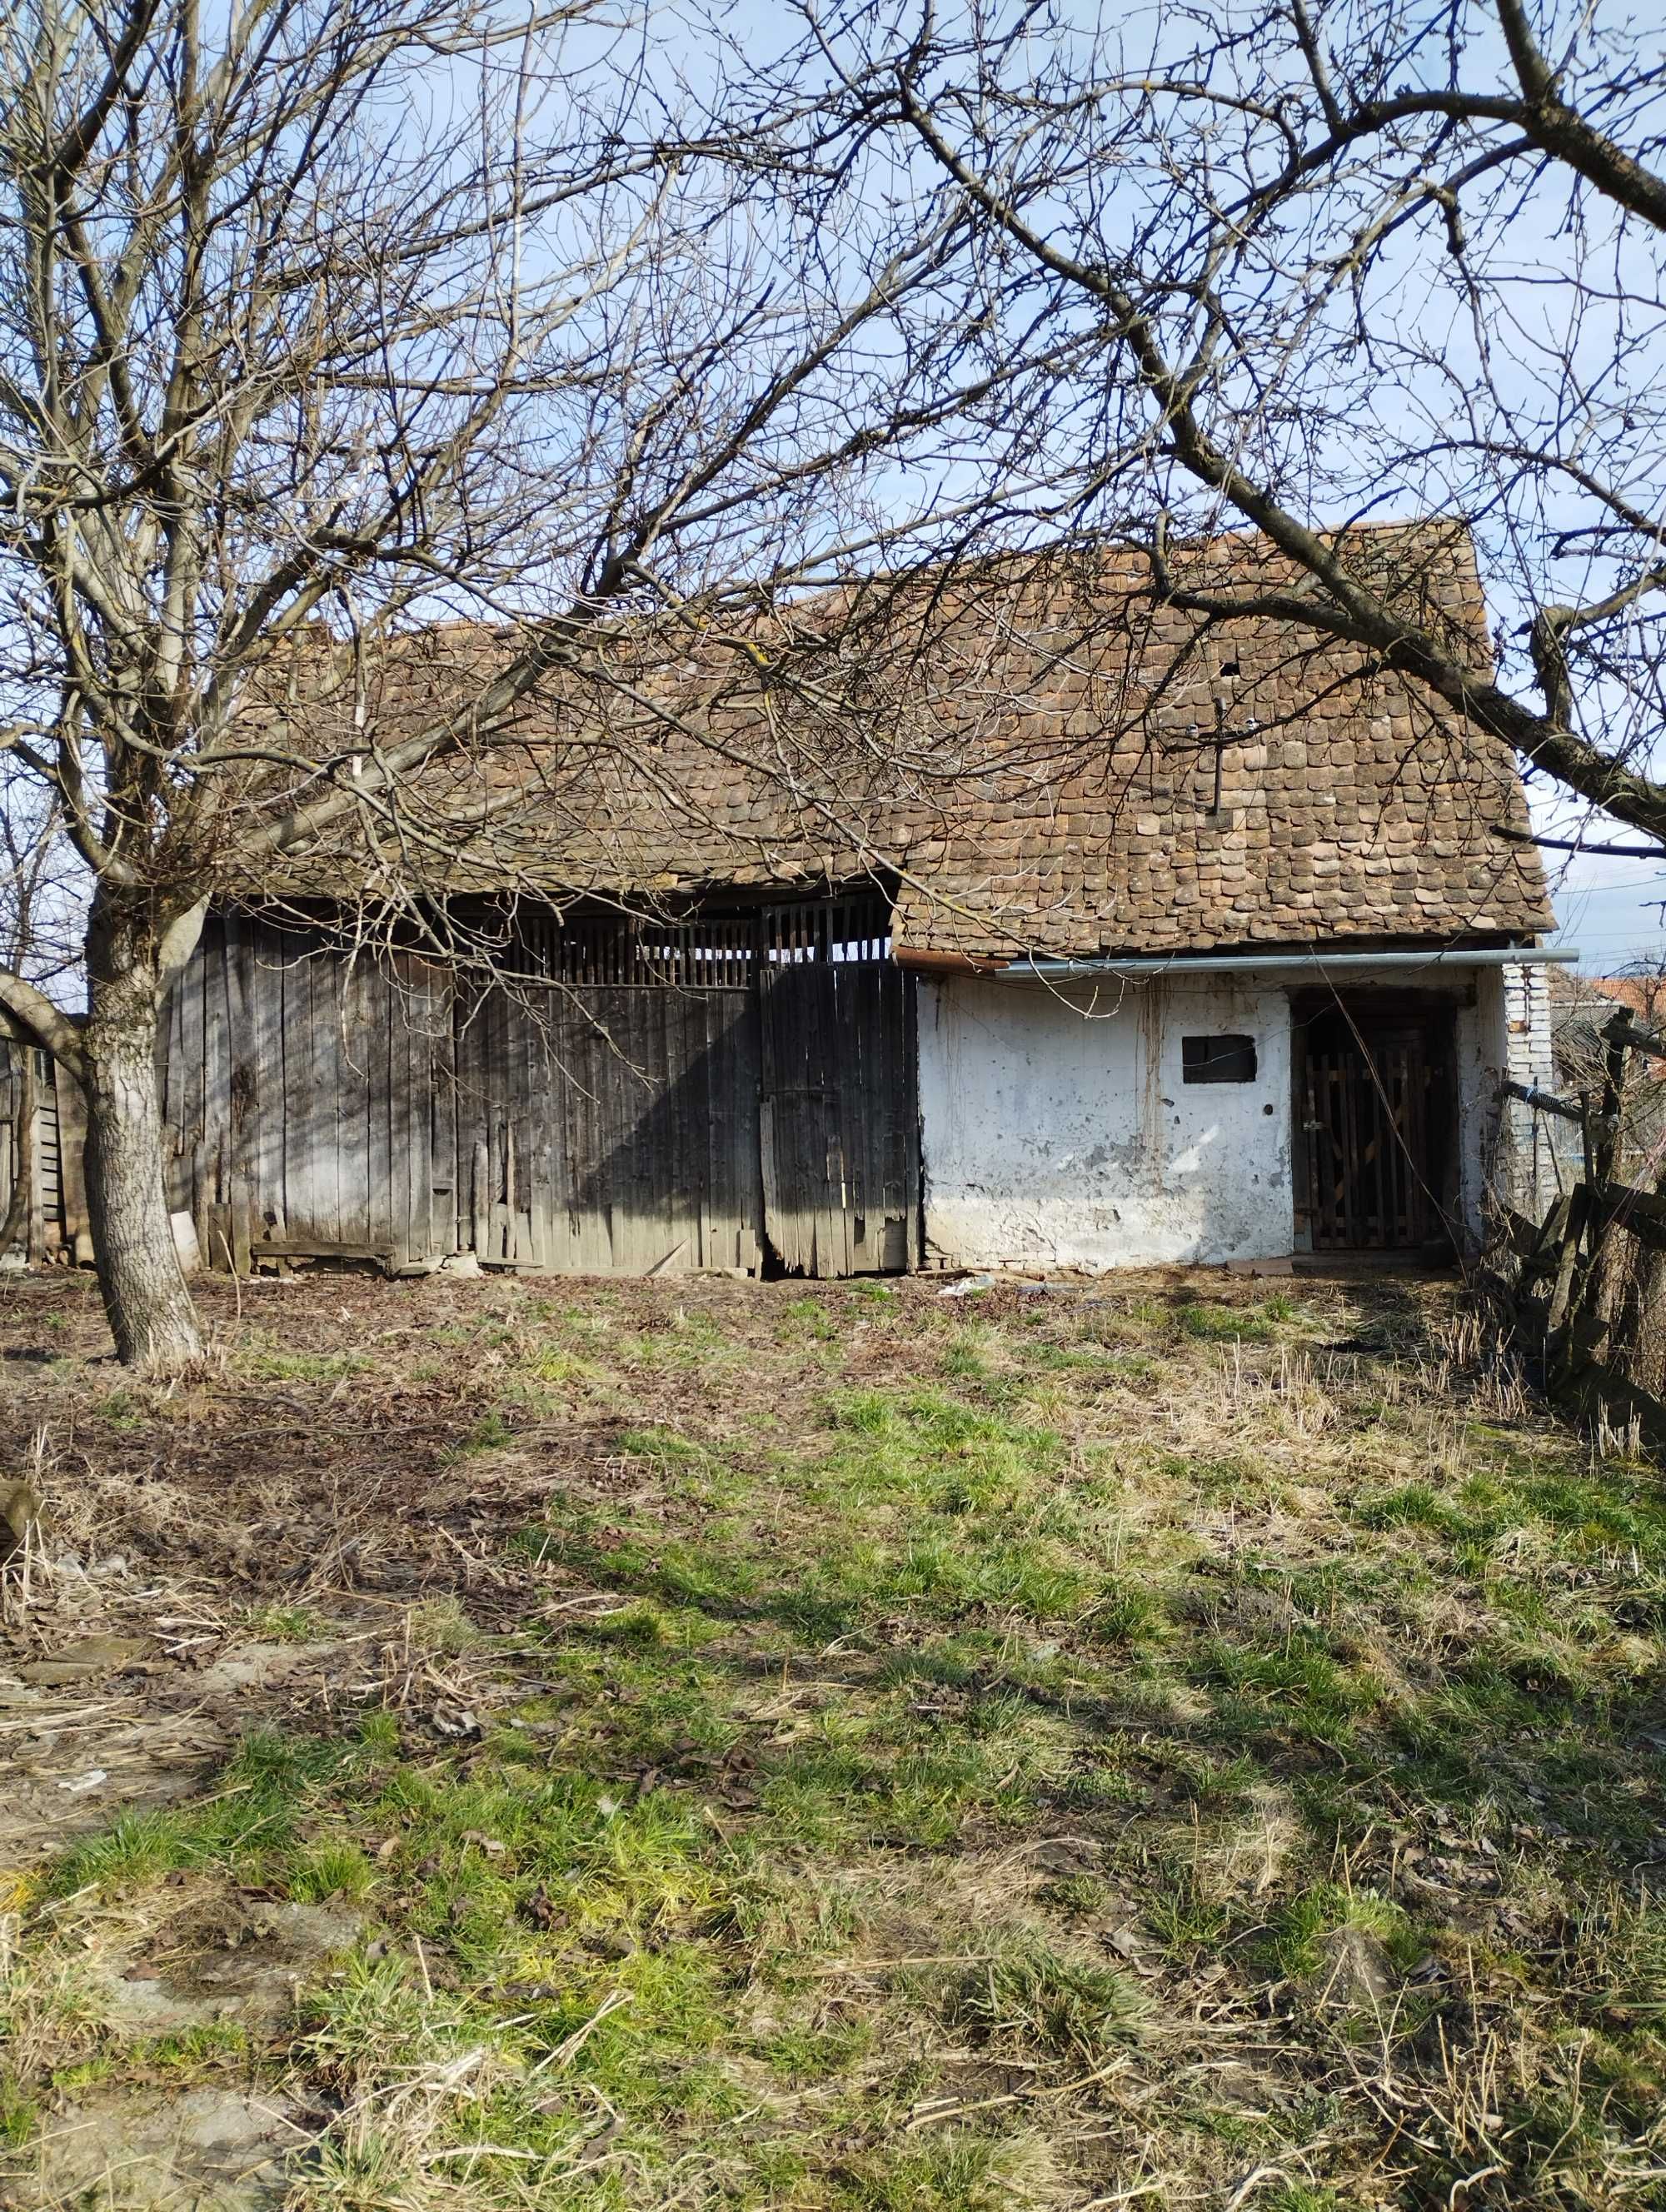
(150, 1307)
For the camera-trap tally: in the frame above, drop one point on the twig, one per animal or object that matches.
(950, 2112)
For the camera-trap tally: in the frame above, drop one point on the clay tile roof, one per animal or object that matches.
(1043, 760)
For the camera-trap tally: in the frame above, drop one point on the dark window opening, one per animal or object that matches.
(1216, 1060)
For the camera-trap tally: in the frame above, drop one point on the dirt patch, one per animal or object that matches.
(226, 1960)
(206, 2148)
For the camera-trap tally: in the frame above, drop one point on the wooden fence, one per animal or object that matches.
(42, 1132)
(1589, 1293)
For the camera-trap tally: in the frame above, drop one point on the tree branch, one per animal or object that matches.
(42, 1022)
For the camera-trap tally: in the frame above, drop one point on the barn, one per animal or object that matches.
(1129, 938)
(1141, 942)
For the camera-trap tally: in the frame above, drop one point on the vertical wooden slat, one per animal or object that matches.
(444, 1204)
(232, 1073)
(419, 1113)
(372, 1050)
(353, 1018)
(211, 1105)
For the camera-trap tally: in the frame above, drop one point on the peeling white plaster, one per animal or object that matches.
(1056, 1130)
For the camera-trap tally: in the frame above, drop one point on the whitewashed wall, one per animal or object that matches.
(1053, 1139)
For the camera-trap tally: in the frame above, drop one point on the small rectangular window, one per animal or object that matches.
(1216, 1060)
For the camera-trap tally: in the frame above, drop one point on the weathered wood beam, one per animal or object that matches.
(1623, 1031)
(1641, 1213)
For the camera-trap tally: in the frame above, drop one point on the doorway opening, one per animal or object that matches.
(1375, 1113)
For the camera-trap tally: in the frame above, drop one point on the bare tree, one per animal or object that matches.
(1302, 264)
(322, 321)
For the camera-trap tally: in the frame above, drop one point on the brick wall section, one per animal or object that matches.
(1525, 1172)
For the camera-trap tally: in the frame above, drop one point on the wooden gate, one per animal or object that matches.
(727, 1090)
(613, 1129)
(838, 1123)
(1375, 1101)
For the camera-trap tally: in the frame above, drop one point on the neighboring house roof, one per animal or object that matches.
(1046, 762)
(1580, 1004)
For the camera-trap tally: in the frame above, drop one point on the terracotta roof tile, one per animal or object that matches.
(1047, 762)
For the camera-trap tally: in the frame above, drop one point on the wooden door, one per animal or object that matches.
(612, 1129)
(838, 1126)
(1375, 1104)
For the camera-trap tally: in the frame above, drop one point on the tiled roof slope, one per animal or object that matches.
(1048, 762)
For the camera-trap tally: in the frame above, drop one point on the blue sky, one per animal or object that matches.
(1609, 909)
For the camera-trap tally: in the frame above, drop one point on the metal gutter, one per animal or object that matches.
(1280, 963)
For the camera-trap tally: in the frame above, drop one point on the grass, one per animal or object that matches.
(924, 1761)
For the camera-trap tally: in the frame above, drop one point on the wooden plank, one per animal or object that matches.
(197, 1181)
(224, 1114)
(1630, 1035)
(1638, 1213)
(673, 1193)
(480, 1185)
(70, 1113)
(335, 1016)
(1611, 1198)
(255, 1093)
(784, 1226)
(320, 1247)
(360, 986)
(570, 1135)
(300, 1134)
(170, 1076)
(10, 1113)
(375, 1031)
(413, 1069)
(908, 1117)
(1561, 1297)
(444, 1204)
(1533, 1242)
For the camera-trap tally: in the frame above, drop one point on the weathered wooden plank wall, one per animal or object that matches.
(703, 1097)
(616, 1127)
(306, 1097)
(839, 1118)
